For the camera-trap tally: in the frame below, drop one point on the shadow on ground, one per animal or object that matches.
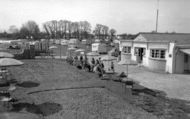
(28, 84)
(141, 89)
(44, 109)
(157, 103)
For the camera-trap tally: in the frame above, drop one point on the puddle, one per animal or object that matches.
(44, 109)
(28, 84)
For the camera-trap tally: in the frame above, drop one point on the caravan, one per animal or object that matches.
(99, 47)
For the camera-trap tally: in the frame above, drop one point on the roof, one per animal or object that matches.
(186, 51)
(179, 38)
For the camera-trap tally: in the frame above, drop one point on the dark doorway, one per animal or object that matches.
(139, 52)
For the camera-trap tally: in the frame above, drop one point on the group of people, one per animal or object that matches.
(82, 62)
(7, 85)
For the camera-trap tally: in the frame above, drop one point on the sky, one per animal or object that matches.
(126, 16)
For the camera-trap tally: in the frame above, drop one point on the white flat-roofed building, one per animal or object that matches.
(169, 52)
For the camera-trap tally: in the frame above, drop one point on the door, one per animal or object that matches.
(139, 52)
(186, 63)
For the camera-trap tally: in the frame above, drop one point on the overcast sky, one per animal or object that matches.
(126, 16)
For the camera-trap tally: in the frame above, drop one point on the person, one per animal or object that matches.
(99, 70)
(102, 65)
(81, 61)
(87, 65)
(93, 61)
(92, 64)
(112, 66)
(75, 60)
(81, 58)
(97, 62)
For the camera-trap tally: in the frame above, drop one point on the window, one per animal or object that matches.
(126, 49)
(156, 53)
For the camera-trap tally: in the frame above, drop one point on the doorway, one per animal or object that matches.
(186, 63)
(139, 52)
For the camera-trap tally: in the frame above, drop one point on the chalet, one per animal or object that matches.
(169, 52)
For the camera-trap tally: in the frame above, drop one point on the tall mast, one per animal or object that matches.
(157, 15)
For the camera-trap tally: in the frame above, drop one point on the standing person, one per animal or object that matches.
(76, 60)
(112, 66)
(99, 70)
(97, 62)
(81, 58)
(81, 61)
(93, 64)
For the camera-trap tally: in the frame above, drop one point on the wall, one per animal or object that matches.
(125, 43)
(179, 62)
(125, 56)
(155, 64)
(189, 62)
(188, 65)
(95, 47)
(170, 56)
(145, 58)
(158, 64)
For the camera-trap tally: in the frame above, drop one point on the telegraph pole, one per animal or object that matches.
(157, 16)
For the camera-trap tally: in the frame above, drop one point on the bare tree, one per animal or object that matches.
(85, 29)
(101, 31)
(112, 34)
(105, 30)
(75, 29)
(97, 30)
(67, 29)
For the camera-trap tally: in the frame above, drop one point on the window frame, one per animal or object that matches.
(156, 53)
(127, 49)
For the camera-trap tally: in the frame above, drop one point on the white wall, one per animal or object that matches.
(95, 47)
(146, 57)
(157, 64)
(125, 43)
(125, 56)
(158, 45)
(170, 56)
(122, 44)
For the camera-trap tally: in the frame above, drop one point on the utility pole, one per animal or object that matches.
(157, 16)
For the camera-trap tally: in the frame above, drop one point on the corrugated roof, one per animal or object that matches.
(180, 38)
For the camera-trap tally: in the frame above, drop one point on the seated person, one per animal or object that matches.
(122, 75)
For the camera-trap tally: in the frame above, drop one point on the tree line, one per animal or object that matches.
(62, 29)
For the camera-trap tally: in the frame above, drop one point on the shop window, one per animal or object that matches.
(126, 49)
(157, 53)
